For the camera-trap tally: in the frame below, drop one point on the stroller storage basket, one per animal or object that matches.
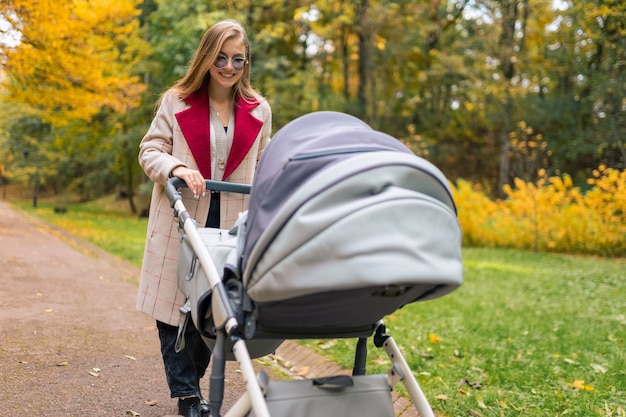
(363, 396)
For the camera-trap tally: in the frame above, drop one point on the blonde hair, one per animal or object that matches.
(206, 54)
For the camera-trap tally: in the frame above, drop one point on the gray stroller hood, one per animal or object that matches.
(299, 150)
(345, 226)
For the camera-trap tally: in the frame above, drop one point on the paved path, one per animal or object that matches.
(71, 341)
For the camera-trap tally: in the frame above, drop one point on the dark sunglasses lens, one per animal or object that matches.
(221, 62)
(239, 63)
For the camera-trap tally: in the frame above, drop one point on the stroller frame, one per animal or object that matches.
(230, 331)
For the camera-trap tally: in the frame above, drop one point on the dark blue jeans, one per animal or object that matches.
(184, 369)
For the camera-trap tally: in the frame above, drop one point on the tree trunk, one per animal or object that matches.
(505, 143)
(508, 58)
(130, 160)
(365, 58)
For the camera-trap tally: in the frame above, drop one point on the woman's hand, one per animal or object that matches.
(193, 179)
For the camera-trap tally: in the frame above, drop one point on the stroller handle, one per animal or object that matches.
(174, 183)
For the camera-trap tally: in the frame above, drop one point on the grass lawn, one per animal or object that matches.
(105, 223)
(526, 335)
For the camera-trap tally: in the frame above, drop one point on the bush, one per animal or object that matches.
(550, 215)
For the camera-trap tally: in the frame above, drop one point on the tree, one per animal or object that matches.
(73, 58)
(74, 65)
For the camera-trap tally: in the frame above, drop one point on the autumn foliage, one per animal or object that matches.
(74, 58)
(550, 214)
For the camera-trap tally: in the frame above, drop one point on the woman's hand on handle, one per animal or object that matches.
(192, 177)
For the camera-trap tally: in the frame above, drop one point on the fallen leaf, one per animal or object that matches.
(48, 310)
(426, 355)
(151, 403)
(441, 397)
(479, 400)
(598, 368)
(132, 358)
(434, 338)
(328, 344)
(304, 371)
(61, 364)
(475, 413)
(94, 373)
(132, 413)
(95, 369)
(580, 385)
(473, 384)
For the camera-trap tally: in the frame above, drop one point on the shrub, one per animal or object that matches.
(548, 215)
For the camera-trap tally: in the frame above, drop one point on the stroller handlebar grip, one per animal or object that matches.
(171, 189)
(228, 187)
(174, 183)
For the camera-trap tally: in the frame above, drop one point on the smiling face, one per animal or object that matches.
(227, 77)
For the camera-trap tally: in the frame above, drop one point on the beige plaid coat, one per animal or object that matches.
(179, 136)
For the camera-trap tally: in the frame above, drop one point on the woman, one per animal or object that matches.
(210, 124)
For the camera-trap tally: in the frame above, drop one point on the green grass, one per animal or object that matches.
(526, 335)
(105, 223)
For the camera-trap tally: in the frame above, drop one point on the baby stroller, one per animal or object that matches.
(345, 225)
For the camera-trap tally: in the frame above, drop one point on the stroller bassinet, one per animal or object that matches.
(345, 226)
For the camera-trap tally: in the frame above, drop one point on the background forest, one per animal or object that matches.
(496, 93)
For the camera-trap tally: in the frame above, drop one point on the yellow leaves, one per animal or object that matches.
(480, 402)
(76, 56)
(550, 214)
(579, 384)
(303, 371)
(380, 43)
(434, 338)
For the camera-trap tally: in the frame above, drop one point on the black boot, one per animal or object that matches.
(205, 408)
(189, 407)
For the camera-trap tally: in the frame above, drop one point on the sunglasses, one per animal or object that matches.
(237, 62)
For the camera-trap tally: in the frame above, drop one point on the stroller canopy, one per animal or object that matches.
(299, 150)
